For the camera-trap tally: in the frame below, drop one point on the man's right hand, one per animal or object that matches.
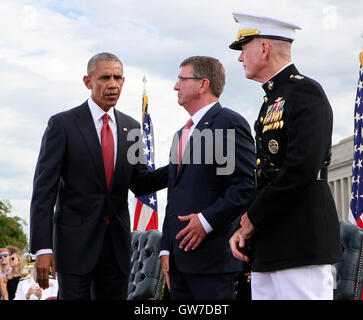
(44, 264)
(238, 243)
(165, 268)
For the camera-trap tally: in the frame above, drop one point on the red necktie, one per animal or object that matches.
(108, 150)
(183, 140)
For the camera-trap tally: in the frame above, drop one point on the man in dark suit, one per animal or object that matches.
(85, 170)
(292, 222)
(205, 194)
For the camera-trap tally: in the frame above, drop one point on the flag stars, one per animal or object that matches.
(152, 200)
(359, 164)
(360, 149)
(358, 101)
(357, 116)
(146, 151)
(351, 196)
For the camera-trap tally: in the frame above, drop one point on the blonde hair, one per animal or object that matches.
(22, 264)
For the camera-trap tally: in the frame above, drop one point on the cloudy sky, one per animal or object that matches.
(45, 46)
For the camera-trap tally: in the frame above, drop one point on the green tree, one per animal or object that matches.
(11, 228)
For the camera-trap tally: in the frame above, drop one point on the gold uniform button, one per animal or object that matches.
(265, 99)
(258, 161)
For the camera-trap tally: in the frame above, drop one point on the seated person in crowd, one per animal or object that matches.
(28, 289)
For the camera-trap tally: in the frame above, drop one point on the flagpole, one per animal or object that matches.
(144, 81)
(144, 98)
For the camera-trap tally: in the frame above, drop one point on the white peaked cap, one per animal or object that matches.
(254, 26)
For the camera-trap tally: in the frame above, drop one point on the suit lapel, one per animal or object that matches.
(88, 131)
(122, 131)
(205, 122)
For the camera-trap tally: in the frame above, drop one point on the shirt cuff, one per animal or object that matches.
(43, 251)
(207, 227)
(164, 253)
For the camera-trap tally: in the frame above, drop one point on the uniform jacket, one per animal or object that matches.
(70, 175)
(294, 212)
(220, 198)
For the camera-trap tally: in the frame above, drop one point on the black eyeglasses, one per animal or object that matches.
(181, 79)
(3, 255)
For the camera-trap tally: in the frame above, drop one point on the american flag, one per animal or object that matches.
(146, 208)
(356, 202)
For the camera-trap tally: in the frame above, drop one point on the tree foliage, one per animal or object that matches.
(11, 228)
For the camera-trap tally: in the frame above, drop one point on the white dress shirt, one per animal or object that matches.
(97, 114)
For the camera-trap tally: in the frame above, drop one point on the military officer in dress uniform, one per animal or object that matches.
(292, 224)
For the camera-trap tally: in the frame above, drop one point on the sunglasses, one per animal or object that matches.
(3, 255)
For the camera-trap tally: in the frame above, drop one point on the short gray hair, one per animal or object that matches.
(210, 68)
(103, 56)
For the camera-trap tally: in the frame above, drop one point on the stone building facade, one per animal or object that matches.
(340, 175)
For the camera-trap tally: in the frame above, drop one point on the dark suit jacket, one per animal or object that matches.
(295, 213)
(70, 174)
(220, 198)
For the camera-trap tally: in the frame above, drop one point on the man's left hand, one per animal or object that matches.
(193, 233)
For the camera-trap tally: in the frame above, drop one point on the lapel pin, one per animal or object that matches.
(206, 123)
(125, 129)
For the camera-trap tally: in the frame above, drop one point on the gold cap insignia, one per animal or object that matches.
(242, 33)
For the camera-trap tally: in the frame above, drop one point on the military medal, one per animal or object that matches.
(272, 120)
(273, 146)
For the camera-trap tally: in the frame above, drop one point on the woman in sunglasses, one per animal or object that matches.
(17, 263)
